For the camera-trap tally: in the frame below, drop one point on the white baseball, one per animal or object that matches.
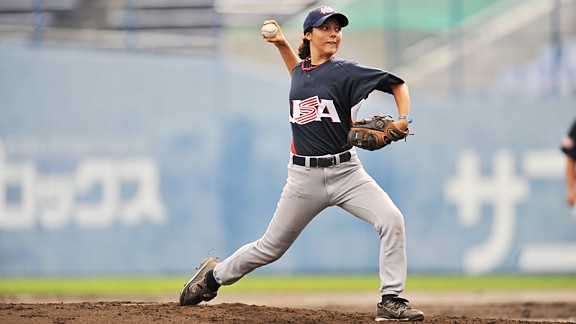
(269, 31)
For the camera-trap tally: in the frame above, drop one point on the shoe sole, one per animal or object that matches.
(416, 319)
(195, 277)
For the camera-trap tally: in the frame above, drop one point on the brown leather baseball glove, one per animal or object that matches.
(375, 132)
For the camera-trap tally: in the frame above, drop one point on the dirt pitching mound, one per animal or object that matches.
(155, 312)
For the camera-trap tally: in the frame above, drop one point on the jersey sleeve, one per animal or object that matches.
(568, 145)
(367, 79)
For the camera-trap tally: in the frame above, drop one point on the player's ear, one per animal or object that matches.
(308, 35)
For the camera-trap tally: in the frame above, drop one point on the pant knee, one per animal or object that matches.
(270, 250)
(391, 223)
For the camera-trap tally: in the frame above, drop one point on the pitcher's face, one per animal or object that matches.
(325, 40)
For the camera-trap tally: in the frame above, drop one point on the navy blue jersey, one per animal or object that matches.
(325, 100)
(569, 142)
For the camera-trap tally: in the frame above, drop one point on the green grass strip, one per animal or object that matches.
(88, 286)
(172, 285)
(501, 282)
(420, 282)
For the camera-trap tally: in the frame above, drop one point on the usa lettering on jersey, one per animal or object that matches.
(313, 109)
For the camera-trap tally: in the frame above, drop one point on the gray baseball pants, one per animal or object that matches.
(307, 192)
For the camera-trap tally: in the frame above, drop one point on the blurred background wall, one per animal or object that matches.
(140, 136)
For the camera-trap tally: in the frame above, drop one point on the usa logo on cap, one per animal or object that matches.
(317, 16)
(326, 10)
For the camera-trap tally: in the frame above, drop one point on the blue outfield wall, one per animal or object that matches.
(131, 163)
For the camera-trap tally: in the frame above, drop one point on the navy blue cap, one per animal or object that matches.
(317, 16)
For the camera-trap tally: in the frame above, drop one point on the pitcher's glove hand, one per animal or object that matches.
(375, 132)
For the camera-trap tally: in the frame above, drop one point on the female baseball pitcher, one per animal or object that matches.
(324, 170)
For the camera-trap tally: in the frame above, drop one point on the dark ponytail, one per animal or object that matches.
(304, 49)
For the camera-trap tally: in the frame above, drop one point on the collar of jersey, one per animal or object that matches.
(312, 67)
